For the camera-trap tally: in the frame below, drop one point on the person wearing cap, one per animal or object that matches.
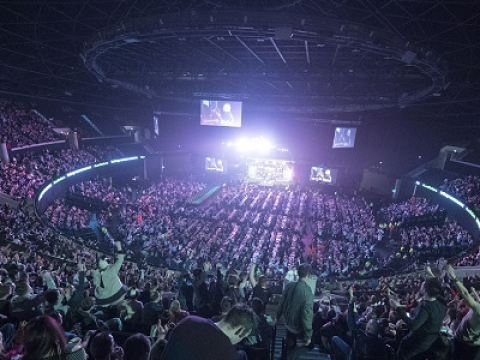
(109, 289)
(296, 308)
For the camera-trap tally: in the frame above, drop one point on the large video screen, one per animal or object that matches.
(215, 165)
(221, 113)
(344, 137)
(323, 175)
(270, 170)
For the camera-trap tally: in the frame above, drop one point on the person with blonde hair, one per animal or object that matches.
(176, 313)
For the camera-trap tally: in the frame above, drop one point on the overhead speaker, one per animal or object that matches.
(283, 33)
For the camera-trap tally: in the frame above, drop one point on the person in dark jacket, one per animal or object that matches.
(260, 288)
(186, 292)
(25, 305)
(152, 310)
(73, 296)
(195, 338)
(201, 297)
(426, 322)
(296, 308)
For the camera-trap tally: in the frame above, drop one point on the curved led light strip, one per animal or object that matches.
(86, 168)
(452, 199)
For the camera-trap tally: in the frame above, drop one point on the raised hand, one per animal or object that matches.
(450, 271)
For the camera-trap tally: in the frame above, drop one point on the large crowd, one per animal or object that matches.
(413, 210)
(159, 226)
(175, 259)
(28, 171)
(62, 285)
(466, 188)
(22, 126)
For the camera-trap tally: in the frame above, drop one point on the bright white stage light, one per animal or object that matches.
(243, 144)
(251, 145)
(263, 145)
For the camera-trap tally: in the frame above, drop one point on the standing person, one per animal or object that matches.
(426, 322)
(260, 289)
(109, 289)
(467, 334)
(201, 297)
(296, 307)
(195, 338)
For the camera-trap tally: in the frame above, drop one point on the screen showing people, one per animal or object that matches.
(214, 165)
(344, 137)
(221, 113)
(324, 175)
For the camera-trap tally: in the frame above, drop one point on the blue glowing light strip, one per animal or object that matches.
(78, 171)
(428, 187)
(470, 212)
(455, 200)
(56, 181)
(124, 159)
(75, 172)
(100, 164)
(450, 197)
(48, 187)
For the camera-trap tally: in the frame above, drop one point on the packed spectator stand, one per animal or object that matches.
(174, 250)
(466, 188)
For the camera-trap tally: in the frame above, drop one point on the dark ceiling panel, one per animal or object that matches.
(41, 43)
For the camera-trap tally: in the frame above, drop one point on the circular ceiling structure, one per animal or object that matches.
(254, 4)
(272, 61)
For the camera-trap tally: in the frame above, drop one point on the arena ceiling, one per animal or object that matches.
(304, 57)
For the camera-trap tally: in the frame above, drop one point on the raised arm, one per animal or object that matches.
(429, 272)
(253, 281)
(412, 323)
(352, 316)
(120, 257)
(463, 291)
(77, 295)
(49, 280)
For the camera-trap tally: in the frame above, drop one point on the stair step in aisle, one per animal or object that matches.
(311, 355)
